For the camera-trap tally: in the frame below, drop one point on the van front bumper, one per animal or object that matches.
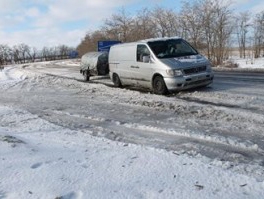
(187, 82)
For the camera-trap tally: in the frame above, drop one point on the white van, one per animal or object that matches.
(163, 65)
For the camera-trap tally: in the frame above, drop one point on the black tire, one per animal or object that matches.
(159, 86)
(86, 76)
(116, 80)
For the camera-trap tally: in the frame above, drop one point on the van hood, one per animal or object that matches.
(185, 61)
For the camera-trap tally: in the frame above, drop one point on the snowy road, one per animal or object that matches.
(224, 122)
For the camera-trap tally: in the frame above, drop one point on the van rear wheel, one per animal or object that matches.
(116, 80)
(159, 86)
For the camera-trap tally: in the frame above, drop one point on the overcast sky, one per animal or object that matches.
(41, 23)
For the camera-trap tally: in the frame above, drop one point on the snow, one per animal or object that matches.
(50, 161)
(76, 151)
(250, 63)
(245, 64)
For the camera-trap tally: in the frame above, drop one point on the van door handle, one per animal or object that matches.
(134, 66)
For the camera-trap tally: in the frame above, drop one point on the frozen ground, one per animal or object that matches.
(63, 138)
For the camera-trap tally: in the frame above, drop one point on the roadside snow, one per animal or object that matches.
(250, 63)
(42, 160)
(247, 64)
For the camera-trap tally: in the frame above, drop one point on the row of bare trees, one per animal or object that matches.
(209, 25)
(23, 53)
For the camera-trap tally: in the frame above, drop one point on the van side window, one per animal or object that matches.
(142, 50)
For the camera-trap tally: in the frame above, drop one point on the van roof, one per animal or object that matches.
(158, 39)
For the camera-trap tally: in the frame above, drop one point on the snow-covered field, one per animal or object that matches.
(66, 139)
(250, 63)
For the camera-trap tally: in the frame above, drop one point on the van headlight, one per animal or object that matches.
(173, 72)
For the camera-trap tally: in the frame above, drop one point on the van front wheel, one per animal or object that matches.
(116, 80)
(159, 86)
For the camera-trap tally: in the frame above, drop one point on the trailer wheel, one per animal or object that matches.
(116, 80)
(159, 86)
(86, 76)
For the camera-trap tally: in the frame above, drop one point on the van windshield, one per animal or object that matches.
(171, 48)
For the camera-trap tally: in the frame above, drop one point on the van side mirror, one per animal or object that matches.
(146, 59)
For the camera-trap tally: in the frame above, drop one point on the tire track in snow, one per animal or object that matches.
(230, 141)
(179, 140)
(11, 77)
(225, 105)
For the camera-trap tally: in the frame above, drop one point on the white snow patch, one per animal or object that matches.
(50, 163)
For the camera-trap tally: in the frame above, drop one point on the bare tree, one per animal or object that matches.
(164, 21)
(30, 54)
(143, 26)
(24, 51)
(44, 53)
(192, 23)
(84, 46)
(223, 31)
(207, 24)
(242, 27)
(208, 19)
(54, 53)
(173, 28)
(63, 51)
(5, 54)
(259, 34)
(17, 54)
(217, 28)
(33, 54)
(90, 42)
(49, 53)
(119, 26)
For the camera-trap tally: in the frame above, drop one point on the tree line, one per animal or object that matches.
(211, 26)
(23, 53)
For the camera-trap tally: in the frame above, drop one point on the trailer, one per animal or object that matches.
(94, 64)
